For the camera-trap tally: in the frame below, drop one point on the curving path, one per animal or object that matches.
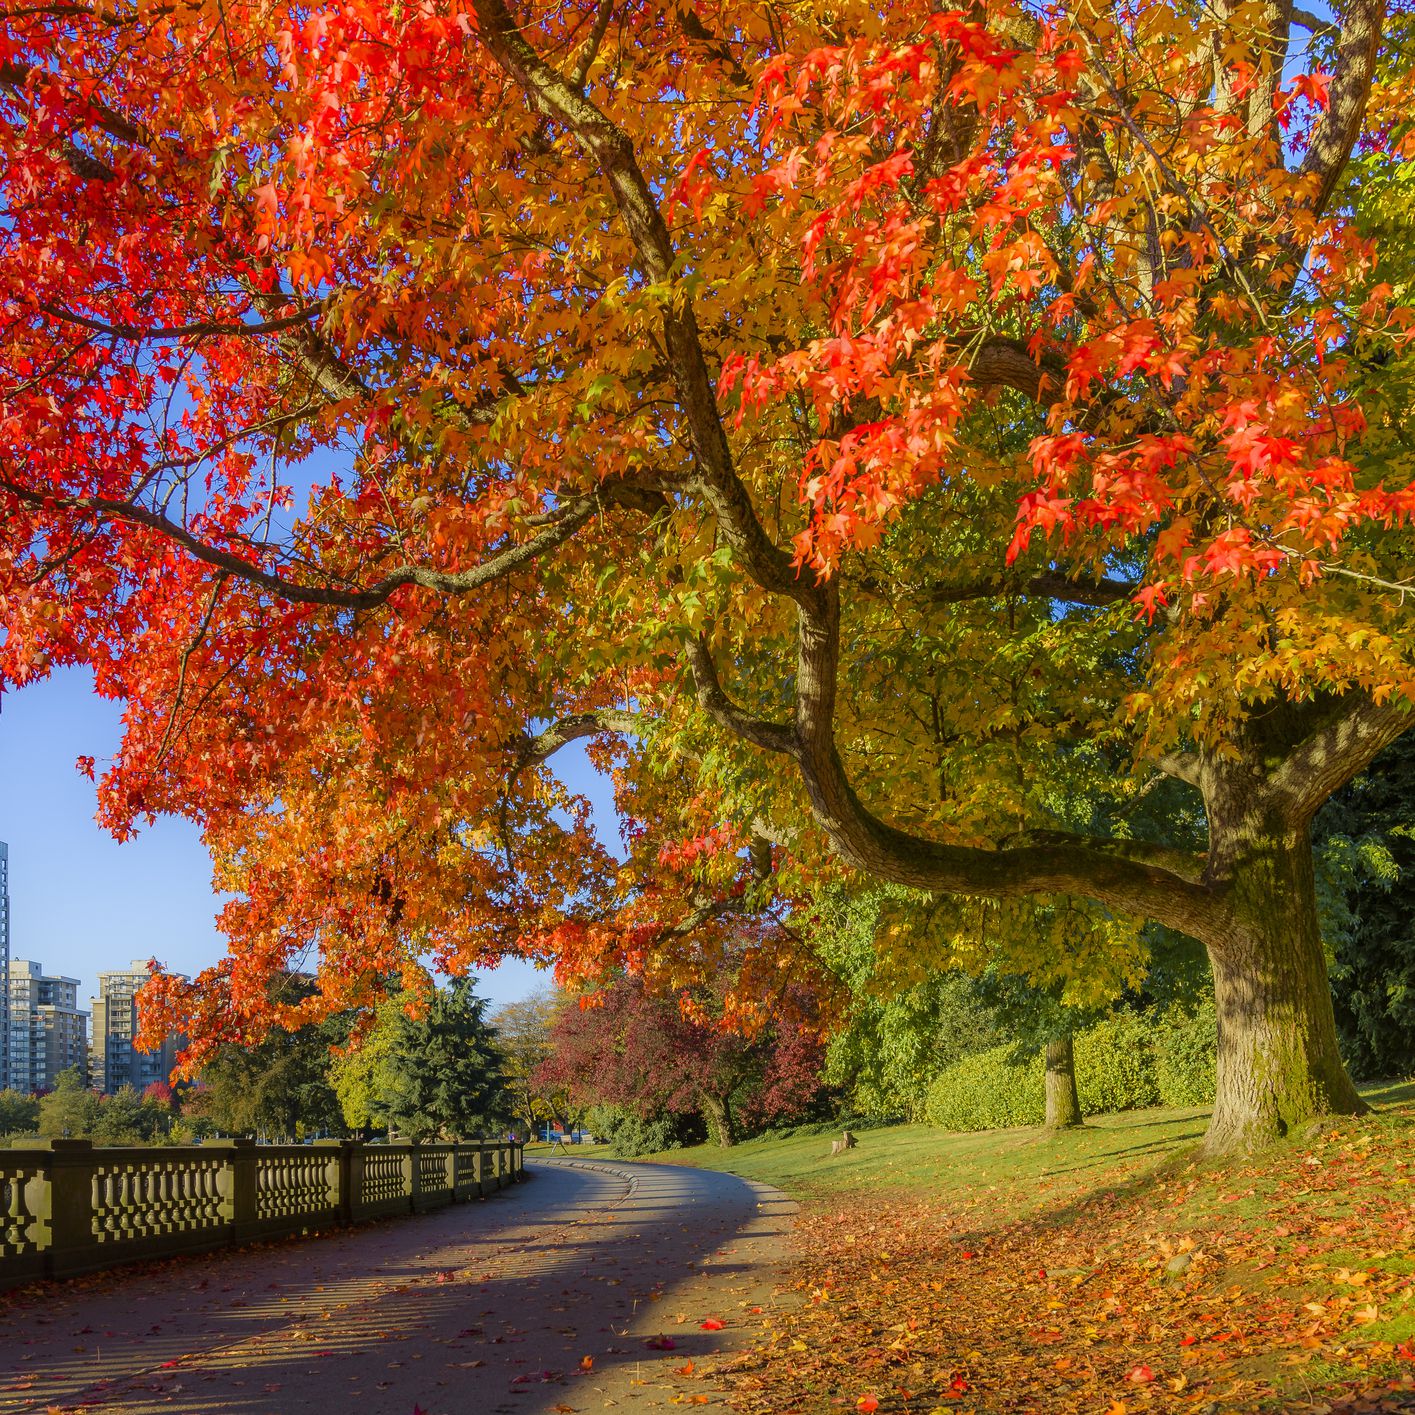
(477, 1309)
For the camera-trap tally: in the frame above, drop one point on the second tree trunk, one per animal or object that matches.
(1063, 1102)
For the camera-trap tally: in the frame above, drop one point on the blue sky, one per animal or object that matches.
(81, 902)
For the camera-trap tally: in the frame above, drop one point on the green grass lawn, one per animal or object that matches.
(1021, 1168)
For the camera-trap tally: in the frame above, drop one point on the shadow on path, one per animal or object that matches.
(487, 1308)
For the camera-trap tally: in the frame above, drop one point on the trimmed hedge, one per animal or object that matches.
(988, 1091)
(1127, 1062)
(1115, 1064)
(1186, 1057)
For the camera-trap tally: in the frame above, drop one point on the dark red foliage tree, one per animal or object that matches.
(623, 1046)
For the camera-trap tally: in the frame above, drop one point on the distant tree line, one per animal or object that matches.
(426, 1066)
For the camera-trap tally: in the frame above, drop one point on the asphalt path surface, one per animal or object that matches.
(585, 1288)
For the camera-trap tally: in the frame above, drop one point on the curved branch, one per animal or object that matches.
(544, 745)
(1338, 750)
(453, 582)
(714, 701)
(202, 329)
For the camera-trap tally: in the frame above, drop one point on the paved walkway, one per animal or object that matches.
(583, 1289)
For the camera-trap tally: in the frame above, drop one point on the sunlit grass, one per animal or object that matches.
(1021, 1169)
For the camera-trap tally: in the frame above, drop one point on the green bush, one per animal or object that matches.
(1186, 1055)
(1115, 1064)
(633, 1134)
(1126, 1062)
(988, 1090)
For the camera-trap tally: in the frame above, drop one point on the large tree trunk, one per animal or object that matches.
(1278, 1063)
(1063, 1102)
(718, 1114)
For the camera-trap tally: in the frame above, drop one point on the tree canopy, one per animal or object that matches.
(858, 423)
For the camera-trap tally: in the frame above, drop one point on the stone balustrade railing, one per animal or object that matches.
(69, 1207)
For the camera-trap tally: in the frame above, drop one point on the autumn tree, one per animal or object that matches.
(847, 420)
(524, 1038)
(627, 1047)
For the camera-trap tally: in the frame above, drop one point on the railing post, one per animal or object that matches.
(239, 1186)
(341, 1165)
(65, 1208)
(353, 1179)
(410, 1175)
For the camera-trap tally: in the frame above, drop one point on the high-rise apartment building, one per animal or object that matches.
(114, 1062)
(5, 958)
(47, 1032)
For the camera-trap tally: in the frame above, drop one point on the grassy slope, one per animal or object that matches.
(1107, 1149)
(1300, 1290)
(922, 1157)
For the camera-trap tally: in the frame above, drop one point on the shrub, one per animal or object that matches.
(988, 1090)
(1115, 1064)
(1126, 1062)
(1186, 1055)
(633, 1134)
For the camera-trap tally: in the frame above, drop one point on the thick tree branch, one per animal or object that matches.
(1134, 877)
(1000, 362)
(1183, 766)
(1361, 23)
(1338, 750)
(574, 515)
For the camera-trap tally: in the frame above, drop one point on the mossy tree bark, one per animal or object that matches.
(1278, 1061)
(1063, 1100)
